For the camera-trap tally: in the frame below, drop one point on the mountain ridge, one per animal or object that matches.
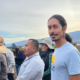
(75, 37)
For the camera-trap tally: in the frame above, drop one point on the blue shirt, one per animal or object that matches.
(65, 62)
(32, 68)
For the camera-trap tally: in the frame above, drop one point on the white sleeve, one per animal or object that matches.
(31, 70)
(10, 57)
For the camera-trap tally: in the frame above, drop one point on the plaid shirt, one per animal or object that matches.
(48, 71)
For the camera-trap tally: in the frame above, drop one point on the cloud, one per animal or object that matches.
(28, 18)
(12, 40)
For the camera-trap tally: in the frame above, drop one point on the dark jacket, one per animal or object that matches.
(45, 56)
(3, 67)
(19, 57)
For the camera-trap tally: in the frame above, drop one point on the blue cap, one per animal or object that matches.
(14, 46)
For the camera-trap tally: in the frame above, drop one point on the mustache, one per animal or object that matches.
(53, 34)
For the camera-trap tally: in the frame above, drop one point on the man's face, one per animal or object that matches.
(55, 29)
(28, 48)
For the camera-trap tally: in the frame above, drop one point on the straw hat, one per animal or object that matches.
(3, 49)
(47, 42)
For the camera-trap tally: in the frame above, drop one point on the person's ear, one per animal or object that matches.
(34, 48)
(64, 29)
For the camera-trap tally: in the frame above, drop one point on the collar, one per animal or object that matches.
(36, 54)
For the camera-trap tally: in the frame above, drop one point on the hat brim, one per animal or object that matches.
(50, 47)
(3, 49)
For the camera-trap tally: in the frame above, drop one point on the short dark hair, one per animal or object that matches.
(60, 19)
(68, 38)
(34, 43)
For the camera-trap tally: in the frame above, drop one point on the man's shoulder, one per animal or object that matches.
(72, 52)
(39, 63)
(70, 48)
(37, 60)
(9, 51)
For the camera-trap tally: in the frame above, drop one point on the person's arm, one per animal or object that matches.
(10, 58)
(20, 56)
(31, 70)
(73, 64)
(75, 77)
(48, 71)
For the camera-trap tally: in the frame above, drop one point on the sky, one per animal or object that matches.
(25, 19)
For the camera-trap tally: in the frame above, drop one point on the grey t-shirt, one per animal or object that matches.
(65, 62)
(3, 67)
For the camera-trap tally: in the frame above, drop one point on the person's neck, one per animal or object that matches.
(33, 53)
(60, 42)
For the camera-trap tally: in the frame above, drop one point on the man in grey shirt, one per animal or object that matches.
(11, 64)
(33, 66)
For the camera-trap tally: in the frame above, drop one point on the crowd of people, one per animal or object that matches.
(48, 63)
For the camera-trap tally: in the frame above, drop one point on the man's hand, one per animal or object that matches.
(9, 70)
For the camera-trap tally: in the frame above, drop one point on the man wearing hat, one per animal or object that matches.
(3, 60)
(19, 57)
(46, 54)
